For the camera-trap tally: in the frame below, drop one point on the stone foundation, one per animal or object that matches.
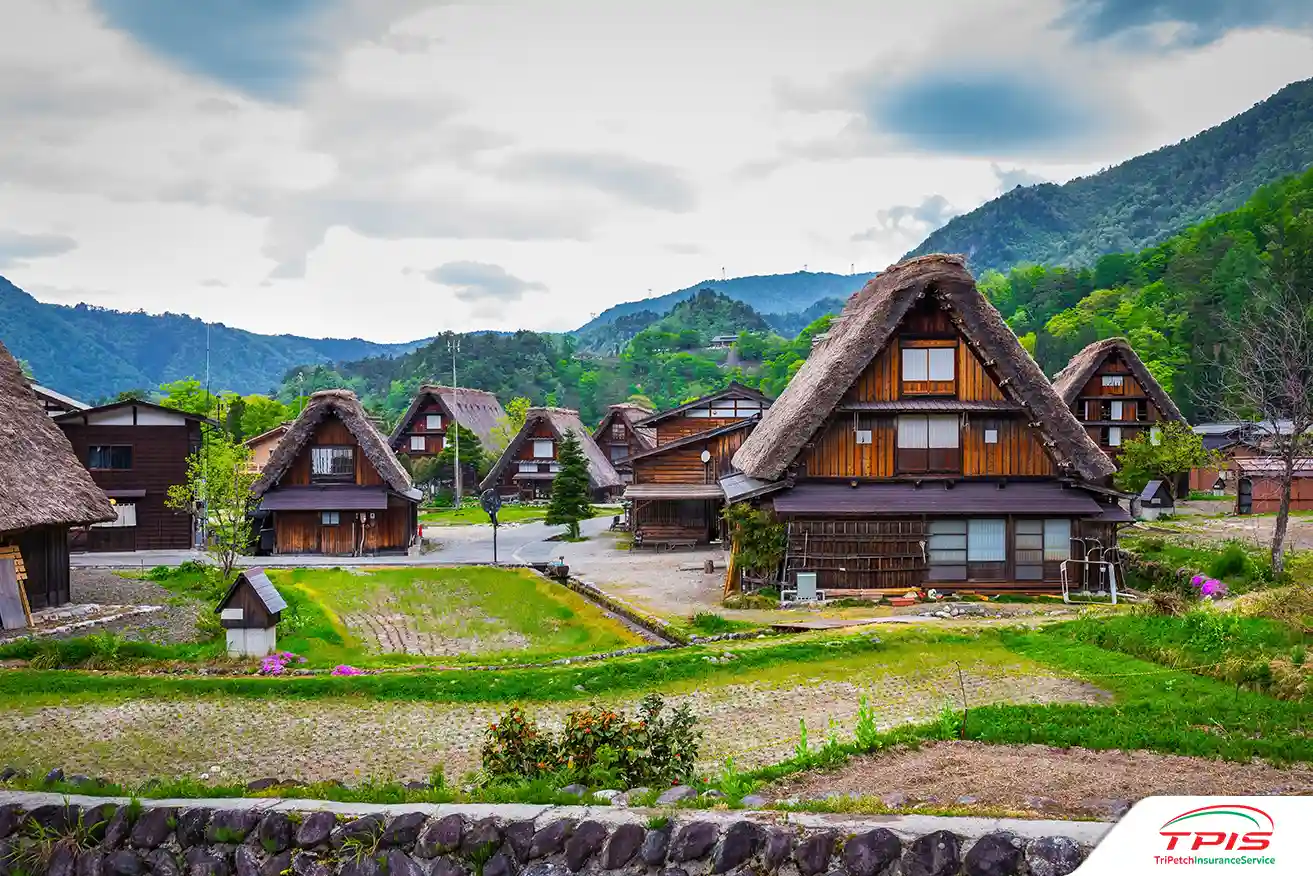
(85, 836)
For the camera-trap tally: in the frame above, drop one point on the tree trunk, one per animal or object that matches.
(1283, 518)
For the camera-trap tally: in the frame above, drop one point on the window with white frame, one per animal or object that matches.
(330, 518)
(542, 449)
(417, 442)
(125, 515)
(1113, 380)
(936, 364)
(332, 463)
(1155, 435)
(991, 436)
(1114, 436)
(1115, 411)
(528, 467)
(433, 421)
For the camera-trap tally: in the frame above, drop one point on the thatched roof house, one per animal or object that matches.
(543, 427)
(333, 486)
(1069, 381)
(862, 331)
(475, 409)
(44, 490)
(644, 438)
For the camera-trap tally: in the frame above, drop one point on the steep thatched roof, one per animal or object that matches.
(630, 413)
(41, 481)
(475, 409)
(343, 404)
(1070, 380)
(866, 325)
(601, 473)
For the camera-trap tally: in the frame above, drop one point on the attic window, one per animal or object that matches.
(542, 449)
(1113, 380)
(332, 463)
(929, 368)
(433, 421)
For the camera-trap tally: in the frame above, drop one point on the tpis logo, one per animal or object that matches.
(1221, 827)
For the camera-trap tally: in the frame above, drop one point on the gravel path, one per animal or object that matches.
(348, 739)
(176, 623)
(1072, 782)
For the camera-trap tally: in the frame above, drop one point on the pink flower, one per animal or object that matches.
(347, 670)
(1197, 580)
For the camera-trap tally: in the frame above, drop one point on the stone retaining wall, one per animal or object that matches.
(85, 836)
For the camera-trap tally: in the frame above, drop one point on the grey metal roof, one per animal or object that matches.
(673, 491)
(72, 403)
(329, 497)
(965, 497)
(1152, 489)
(263, 587)
(739, 487)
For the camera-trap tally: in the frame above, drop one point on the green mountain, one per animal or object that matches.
(1143, 201)
(1169, 299)
(789, 324)
(766, 294)
(92, 353)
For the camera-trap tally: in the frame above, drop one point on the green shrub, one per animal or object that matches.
(1233, 562)
(597, 746)
(710, 623)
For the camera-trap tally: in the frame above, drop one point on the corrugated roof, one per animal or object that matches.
(933, 497)
(1272, 466)
(263, 587)
(328, 497)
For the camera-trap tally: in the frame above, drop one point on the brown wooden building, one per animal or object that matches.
(620, 439)
(1258, 484)
(528, 466)
(422, 430)
(135, 451)
(675, 495)
(333, 486)
(920, 445)
(44, 491)
(1113, 395)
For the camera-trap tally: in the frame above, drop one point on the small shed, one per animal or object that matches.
(249, 613)
(1156, 500)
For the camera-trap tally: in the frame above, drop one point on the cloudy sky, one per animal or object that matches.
(390, 169)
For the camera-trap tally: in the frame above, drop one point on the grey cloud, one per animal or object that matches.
(903, 220)
(635, 180)
(478, 282)
(1199, 22)
(16, 246)
(1017, 176)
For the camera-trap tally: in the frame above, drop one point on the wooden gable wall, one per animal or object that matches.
(684, 465)
(880, 380)
(332, 432)
(542, 431)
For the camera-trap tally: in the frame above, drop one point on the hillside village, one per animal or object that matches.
(1013, 532)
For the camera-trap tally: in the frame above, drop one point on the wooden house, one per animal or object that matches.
(920, 446)
(44, 491)
(528, 466)
(620, 439)
(249, 613)
(1229, 442)
(1156, 500)
(676, 495)
(56, 403)
(135, 451)
(333, 486)
(262, 446)
(422, 430)
(1113, 395)
(1258, 484)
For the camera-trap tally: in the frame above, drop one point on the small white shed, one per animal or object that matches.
(249, 613)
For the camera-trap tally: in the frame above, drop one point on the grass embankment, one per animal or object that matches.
(472, 515)
(1242, 567)
(454, 615)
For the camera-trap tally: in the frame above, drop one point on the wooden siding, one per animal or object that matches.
(681, 427)
(45, 564)
(332, 432)
(1018, 452)
(301, 532)
(417, 426)
(159, 461)
(880, 380)
(1266, 496)
(684, 465)
(255, 616)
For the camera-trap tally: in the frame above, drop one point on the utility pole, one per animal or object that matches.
(453, 344)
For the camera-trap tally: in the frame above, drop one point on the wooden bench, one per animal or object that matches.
(667, 536)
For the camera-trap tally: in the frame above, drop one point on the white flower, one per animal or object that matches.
(205, 775)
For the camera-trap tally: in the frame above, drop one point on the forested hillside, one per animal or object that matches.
(92, 353)
(1169, 299)
(1143, 201)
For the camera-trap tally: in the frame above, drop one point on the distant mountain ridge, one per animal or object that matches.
(93, 353)
(1140, 202)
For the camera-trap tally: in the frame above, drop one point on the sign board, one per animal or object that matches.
(491, 502)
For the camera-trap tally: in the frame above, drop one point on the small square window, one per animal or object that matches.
(991, 436)
(330, 518)
(863, 436)
(417, 442)
(433, 421)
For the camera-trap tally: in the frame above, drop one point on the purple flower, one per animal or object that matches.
(1213, 588)
(1197, 580)
(347, 670)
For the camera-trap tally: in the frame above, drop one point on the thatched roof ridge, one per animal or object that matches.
(42, 483)
(346, 407)
(631, 414)
(869, 320)
(1070, 380)
(476, 409)
(601, 473)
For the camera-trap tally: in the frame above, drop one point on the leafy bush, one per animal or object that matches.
(597, 746)
(1232, 562)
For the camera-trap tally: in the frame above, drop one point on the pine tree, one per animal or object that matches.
(569, 503)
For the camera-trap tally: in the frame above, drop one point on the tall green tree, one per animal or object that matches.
(218, 491)
(507, 427)
(188, 395)
(261, 413)
(1175, 450)
(570, 492)
(232, 417)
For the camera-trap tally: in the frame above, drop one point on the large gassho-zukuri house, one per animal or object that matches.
(424, 428)
(675, 497)
(333, 486)
(44, 491)
(1113, 395)
(921, 446)
(529, 463)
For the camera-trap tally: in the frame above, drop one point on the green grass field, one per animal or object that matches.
(469, 515)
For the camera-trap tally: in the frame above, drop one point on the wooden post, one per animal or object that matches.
(731, 578)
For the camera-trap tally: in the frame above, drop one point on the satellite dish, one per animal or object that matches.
(706, 456)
